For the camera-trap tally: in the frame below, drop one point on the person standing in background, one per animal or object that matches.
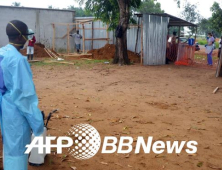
(167, 49)
(210, 48)
(31, 44)
(77, 38)
(174, 47)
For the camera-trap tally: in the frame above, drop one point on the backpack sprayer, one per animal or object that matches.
(35, 158)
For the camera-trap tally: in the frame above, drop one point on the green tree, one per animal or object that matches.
(114, 12)
(191, 14)
(150, 6)
(80, 12)
(17, 4)
(178, 3)
(52, 7)
(216, 19)
(204, 26)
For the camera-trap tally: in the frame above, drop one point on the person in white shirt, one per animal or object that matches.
(77, 39)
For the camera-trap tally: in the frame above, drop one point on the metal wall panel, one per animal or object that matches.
(131, 39)
(39, 20)
(154, 39)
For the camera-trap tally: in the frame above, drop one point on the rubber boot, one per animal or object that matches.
(31, 56)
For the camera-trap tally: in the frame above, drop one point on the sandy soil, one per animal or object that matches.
(167, 102)
(201, 59)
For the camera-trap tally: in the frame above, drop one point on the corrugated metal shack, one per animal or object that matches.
(155, 32)
(154, 39)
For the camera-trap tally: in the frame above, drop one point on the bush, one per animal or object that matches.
(204, 42)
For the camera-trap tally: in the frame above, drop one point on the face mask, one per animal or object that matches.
(19, 45)
(30, 37)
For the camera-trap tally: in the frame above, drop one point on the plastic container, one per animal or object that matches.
(191, 41)
(35, 158)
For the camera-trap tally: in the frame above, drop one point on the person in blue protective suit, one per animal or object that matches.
(19, 112)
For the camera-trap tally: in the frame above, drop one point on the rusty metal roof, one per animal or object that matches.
(174, 21)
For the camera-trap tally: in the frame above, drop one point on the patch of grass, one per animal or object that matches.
(203, 57)
(199, 57)
(78, 63)
(43, 63)
(204, 42)
(89, 62)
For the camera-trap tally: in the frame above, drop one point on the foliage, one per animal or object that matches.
(190, 14)
(17, 4)
(216, 20)
(107, 11)
(80, 12)
(176, 29)
(204, 26)
(204, 42)
(178, 3)
(150, 6)
(52, 7)
(213, 24)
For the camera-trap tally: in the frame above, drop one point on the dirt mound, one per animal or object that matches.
(108, 52)
(39, 51)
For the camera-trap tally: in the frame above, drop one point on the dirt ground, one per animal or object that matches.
(108, 52)
(200, 60)
(170, 103)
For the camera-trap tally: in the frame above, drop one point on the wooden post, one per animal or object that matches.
(53, 39)
(219, 66)
(137, 34)
(92, 34)
(141, 41)
(107, 33)
(195, 35)
(68, 39)
(83, 29)
(77, 26)
(178, 49)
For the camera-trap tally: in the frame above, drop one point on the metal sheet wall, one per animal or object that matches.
(131, 39)
(154, 39)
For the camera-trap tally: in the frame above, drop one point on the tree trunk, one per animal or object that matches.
(121, 56)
